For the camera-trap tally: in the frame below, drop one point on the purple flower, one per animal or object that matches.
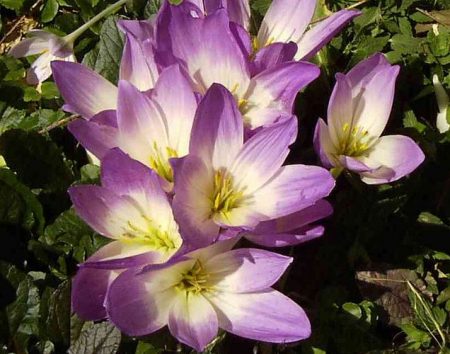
(49, 47)
(153, 128)
(226, 183)
(287, 21)
(358, 112)
(206, 289)
(132, 209)
(214, 54)
(238, 10)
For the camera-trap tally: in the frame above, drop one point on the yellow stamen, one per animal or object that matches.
(159, 161)
(194, 280)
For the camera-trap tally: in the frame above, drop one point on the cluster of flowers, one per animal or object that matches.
(192, 143)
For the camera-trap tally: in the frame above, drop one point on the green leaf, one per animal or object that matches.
(37, 161)
(151, 8)
(49, 11)
(49, 90)
(147, 348)
(31, 94)
(12, 4)
(18, 204)
(58, 319)
(406, 44)
(99, 338)
(106, 58)
(261, 6)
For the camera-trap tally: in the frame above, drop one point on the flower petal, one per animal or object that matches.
(193, 321)
(268, 316)
(174, 97)
(239, 12)
(323, 145)
(84, 91)
(286, 21)
(293, 188)
(273, 55)
(365, 70)
(192, 204)
(141, 30)
(398, 153)
(217, 134)
(263, 154)
(298, 237)
(137, 67)
(95, 136)
(139, 304)
(106, 212)
(323, 32)
(372, 110)
(246, 270)
(207, 59)
(29, 46)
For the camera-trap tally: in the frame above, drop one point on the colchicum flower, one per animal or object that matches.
(206, 289)
(51, 47)
(132, 209)
(226, 183)
(442, 122)
(152, 128)
(358, 112)
(213, 55)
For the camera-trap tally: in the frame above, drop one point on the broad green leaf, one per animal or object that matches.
(49, 11)
(98, 338)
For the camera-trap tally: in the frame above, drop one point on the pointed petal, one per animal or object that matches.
(246, 270)
(298, 237)
(286, 21)
(443, 103)
(40, 70)
(106, 212)
(354, 164)
(293, 188)
(84, 91)
(365, 70)
(340, 114)
(140, 123)
(273, 55)
(242, 38)
(136, 67)
(207, 59)
(268, 316)
(400, 154)
(323, 146)
(122, 255)
(174, 96)
(193, 321)
(192, 204)
(263, 154)
(96, 137)
(217, 134)
(29, 46)
(321, 209)
(372, 110)
(323, 32)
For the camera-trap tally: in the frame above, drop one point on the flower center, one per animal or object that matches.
(225, 196)
(355, 141)
(152, 236)
(194, 280)
(159, 161)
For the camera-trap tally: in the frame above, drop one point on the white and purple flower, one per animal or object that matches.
(358, 112)
(205, 290)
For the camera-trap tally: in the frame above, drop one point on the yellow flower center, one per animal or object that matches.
(195, 280)
(159, 161)
(152, 236)
(354, 142)
(225, 196)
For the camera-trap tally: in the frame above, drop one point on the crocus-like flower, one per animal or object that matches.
(287, 20)
(209, 288)
(49, 47)
(358, 112)
(152, 129)
(443, 102)
(132, 209)
(226, 183)
(213, 55)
